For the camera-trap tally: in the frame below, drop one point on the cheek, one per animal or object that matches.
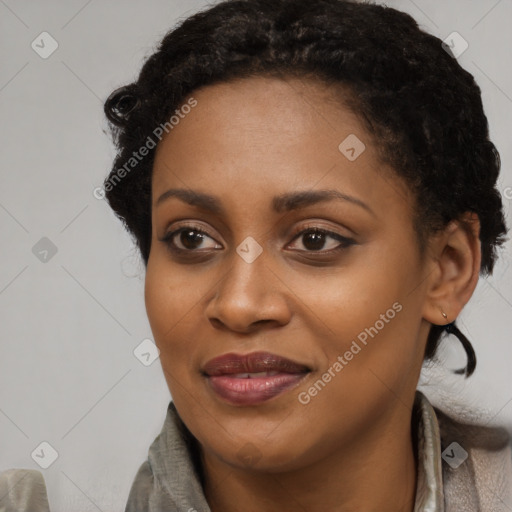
(169, 298)
(368, 315)
(371, 351)
(174, 297)
(160, 300)
(376, 282)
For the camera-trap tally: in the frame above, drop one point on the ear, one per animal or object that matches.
(454, 261)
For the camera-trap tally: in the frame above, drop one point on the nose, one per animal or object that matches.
(249, 297)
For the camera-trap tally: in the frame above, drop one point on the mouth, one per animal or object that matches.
(252, 378)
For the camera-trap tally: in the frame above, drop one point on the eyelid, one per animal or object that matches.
(169, 235)
(188, 224)
(195, 225)
(343, 241)
(317, 225)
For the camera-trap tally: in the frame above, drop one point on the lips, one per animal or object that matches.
(254, 363)
(254, 378)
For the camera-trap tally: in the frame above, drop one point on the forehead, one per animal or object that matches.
(259, 136)
(264, 108)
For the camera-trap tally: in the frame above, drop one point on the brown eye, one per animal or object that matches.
(315, 239)
(188, 238)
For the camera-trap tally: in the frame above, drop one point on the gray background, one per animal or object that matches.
(69, 325)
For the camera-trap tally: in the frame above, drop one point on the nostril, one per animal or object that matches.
(217, 323)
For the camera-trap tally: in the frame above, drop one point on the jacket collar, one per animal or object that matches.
(429, 487)
(172, 462)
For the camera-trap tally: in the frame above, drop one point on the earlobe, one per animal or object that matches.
(456, 257)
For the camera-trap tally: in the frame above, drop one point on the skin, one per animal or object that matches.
(350, 447)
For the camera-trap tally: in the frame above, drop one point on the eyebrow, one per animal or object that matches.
(282, 203)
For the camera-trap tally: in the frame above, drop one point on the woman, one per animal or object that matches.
(311, 186)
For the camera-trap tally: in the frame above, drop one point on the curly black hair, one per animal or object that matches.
(422, 108)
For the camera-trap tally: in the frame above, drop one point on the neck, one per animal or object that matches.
(375, 472)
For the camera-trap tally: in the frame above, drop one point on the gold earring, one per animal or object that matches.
(443, 313)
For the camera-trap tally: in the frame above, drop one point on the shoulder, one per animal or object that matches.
(477, 463)
(23, 490)
(146, 495)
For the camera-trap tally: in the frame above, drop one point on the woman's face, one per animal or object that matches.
(344, 304)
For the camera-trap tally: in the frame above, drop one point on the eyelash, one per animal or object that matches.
(345, 242)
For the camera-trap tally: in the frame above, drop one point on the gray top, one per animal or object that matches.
(461, 467)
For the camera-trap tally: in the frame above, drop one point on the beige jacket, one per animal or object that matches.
(462, 467)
